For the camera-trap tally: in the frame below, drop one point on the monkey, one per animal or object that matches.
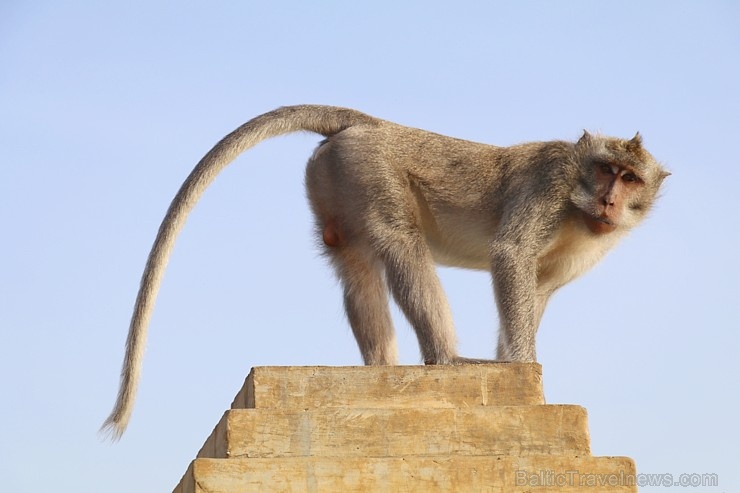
(390, 202)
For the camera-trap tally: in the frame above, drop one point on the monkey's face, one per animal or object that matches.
(613, 185)
(619, 182)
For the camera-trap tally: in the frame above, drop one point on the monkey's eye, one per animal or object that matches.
(629, 177)
(606, 168)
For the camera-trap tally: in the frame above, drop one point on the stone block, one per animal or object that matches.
(500, 384)
(352, 432)
(503, 474)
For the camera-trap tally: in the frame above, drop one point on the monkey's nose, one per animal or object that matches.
(607, 201)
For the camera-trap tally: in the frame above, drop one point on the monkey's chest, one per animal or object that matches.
(570, 254)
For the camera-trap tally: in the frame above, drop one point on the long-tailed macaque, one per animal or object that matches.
(390, 201)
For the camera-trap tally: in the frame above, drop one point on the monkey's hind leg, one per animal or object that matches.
(413, 281)
(366, 303)
(412, 278)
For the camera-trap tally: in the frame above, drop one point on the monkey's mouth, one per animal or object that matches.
(599, 224)
(603, 220)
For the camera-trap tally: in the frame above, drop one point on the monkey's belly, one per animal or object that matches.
(460, 250)
(458, 244)
(464, 262)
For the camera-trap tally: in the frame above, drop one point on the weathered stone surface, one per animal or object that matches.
(350, 432)
(565, 474)
(500, 384)
(403, 428)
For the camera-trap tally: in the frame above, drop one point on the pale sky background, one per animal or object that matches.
(105, 107)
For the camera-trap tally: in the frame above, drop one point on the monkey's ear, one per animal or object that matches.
(635, 142)
(585, 138)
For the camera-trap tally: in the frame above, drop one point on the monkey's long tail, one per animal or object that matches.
(324, 120)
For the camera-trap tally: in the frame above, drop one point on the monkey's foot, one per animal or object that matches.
(459, 360)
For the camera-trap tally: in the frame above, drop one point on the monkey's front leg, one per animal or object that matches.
(515, 284)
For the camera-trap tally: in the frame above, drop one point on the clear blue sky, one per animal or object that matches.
(106, 106)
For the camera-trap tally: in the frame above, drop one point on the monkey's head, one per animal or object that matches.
(618, 183)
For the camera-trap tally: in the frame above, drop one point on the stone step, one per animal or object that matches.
(564, 474)
(351, 432)
(499, 384)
